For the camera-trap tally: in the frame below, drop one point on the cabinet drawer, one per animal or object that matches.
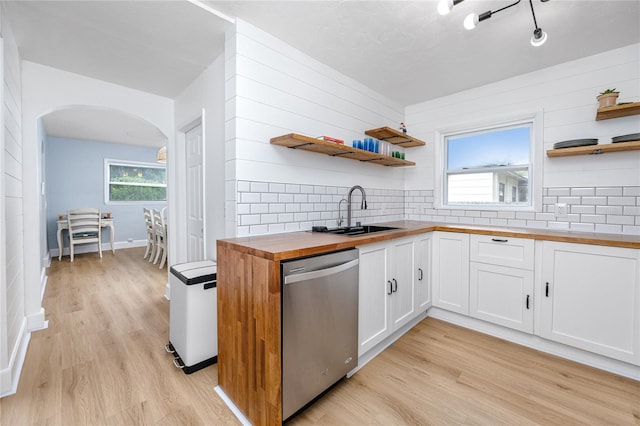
(503, 251)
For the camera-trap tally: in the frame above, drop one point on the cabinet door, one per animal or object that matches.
(451, 271)
(591, 298)
(423, 272)
(501, 295)
(373, 308)
(402, 279)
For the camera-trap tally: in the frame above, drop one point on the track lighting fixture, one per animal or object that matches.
(472, 20)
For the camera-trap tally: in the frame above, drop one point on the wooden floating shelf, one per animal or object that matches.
(394, 137)
(306, 143)
(617, 111)
(594, 149)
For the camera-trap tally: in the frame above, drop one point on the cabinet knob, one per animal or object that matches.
(546, 290)
(390, 288)
(395, 289)
(499, 240)
(421, 274)
(528, 301)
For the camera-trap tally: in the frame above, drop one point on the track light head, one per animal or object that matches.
(445, 6)
(538, 38)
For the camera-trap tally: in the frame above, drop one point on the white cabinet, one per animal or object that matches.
(451, 271)
(501, 281)
(423, 251)
(387, 291)
(591, 298)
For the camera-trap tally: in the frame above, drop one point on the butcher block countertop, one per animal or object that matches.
(305, 243)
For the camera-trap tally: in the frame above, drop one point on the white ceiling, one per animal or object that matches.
(401, 49)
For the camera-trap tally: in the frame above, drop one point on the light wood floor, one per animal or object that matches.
(102, 361)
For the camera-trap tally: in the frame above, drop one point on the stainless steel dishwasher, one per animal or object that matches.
(319, 325)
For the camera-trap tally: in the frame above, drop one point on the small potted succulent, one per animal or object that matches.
(608, 98)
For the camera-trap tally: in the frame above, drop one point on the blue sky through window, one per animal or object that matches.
(500, 147)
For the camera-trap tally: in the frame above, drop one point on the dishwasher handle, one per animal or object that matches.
(291, 279)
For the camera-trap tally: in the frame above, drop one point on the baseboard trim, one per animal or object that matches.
(10, 376)
(538, 343)
(234, 409)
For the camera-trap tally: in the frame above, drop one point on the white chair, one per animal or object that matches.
(151, 236)
(84, 228)
(159, 230)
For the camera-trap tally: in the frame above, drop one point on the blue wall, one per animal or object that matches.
(75, 178)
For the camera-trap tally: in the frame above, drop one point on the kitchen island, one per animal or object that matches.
(249, 299)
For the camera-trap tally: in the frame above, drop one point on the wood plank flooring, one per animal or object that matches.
(102, 362)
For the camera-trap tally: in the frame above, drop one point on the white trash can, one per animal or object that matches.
(193, 322)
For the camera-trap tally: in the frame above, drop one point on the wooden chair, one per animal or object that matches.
(151, 236)
(84, 228)
(159, 229)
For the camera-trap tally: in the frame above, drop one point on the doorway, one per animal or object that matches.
(195, 194)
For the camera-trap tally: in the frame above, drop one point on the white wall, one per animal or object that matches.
(601, 190)
(203, 99)
(12, 299)
(566, 94)
(273, 89)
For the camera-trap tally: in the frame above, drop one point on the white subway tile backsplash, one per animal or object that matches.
(630, 230)
(630, 211)
(285, 198)
(269, 218)
(248, 197)
(249, 219)
(558, 192)
(259, 208)
(584, 227)
(593, 218)
(620, 220)
(277, 187)
(573, 200)
(268, 197)
(582, 209)
(621, 201)
(609, 191)
(583, 191)
(596, 201)
(608, 229)
(630, 191)
(609, 210)
(292, 188)
(269, 207)
(259, 187)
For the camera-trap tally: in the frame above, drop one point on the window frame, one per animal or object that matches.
(485, 125)
(107, 180)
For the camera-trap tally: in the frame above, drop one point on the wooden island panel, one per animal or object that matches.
(249, 347)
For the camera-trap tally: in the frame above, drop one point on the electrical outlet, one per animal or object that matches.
(130, 240)
(561, 209)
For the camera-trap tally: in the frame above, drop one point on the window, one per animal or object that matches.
(481, 166)
(127, 181)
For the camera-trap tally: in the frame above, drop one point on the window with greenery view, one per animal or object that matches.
(489, 168)
(135, 182)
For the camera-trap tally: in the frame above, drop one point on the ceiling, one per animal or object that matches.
(401, 49)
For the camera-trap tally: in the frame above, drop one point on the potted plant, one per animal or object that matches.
(607, 98)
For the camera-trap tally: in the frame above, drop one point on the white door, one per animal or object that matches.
(590, 298)
(195, 184)
(374, 292)
(451, 271)
(402, 278)
(423, 272)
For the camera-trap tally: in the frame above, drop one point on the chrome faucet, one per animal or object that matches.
(363, 204)
(340, 218)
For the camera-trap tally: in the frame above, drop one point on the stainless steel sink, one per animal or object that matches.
(358, 230)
